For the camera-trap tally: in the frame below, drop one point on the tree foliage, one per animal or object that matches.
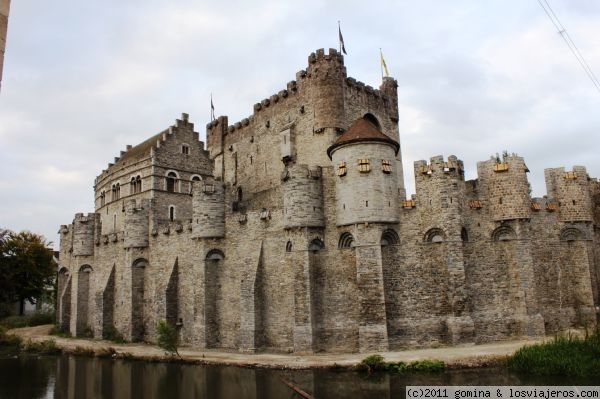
(26, 267)
(168, 338)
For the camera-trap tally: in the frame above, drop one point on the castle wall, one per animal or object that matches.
(284, 255)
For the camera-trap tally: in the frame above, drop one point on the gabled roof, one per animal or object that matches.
(362, 130)
(141, 150)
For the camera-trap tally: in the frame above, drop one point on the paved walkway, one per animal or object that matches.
(454, 356)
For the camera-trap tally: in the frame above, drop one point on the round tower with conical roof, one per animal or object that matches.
(366, 175)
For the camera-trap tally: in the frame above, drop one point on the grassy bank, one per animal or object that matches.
(376, 363)
(564, 356)
(34, 319)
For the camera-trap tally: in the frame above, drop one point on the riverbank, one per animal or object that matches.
(454, 357)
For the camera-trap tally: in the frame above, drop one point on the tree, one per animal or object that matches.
(168, 338)
(26, 267)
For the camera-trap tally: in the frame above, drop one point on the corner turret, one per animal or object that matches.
(366, 183)
(505, 187)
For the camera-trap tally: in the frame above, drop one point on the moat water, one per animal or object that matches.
(82, 377)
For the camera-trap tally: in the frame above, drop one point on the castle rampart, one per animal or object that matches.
(292, 232)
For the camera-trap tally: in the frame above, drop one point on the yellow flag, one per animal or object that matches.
(383, 65)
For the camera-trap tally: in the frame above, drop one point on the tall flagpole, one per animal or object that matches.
(339, 41)
(381, 62)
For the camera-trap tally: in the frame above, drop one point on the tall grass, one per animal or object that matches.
(34, 319)
(564, 356)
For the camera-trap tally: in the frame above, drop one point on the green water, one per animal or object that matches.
(83, 377)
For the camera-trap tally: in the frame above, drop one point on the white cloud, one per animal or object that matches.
(83, 79)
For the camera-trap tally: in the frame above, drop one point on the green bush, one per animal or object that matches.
(87, 332)
(56, 330)
(426, 366)
(376, 363)
(168, 338)
(35, 319)
(569, 356)
(112, 334)
(9, 344)
(14, 321)
(40, 318)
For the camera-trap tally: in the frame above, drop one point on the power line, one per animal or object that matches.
(563, 32)
(570, 43)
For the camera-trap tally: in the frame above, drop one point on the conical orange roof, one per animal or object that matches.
(362, 130)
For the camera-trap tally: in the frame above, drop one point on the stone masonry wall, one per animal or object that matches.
(279, 258)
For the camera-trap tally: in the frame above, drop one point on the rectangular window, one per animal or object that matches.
(386, 166)
(364, 166)
(185, 149)
(342, 169)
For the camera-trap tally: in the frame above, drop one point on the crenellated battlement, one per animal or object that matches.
(571, 189)
(84, 229)
(323, 68)
(438, 165)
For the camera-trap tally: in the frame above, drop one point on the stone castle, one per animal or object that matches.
(291, 232)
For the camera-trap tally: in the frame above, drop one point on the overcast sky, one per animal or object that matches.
(84, 78)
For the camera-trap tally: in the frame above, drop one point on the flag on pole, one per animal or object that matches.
(383, 65)
(212, 109)
(342, 47)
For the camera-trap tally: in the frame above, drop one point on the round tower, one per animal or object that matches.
(327, 73)
(440, 194)
(505, 186)
(208, 202)
(572, 192)
(366, 181)
(302, 197)
(136, 224)
(83, 234)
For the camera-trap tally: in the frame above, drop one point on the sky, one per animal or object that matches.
(82, 79)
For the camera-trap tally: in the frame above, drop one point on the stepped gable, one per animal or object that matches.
(362, 130)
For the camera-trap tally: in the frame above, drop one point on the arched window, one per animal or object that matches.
(138, 184)
(571, 234)
(117, 191)
(346, 241)
(194, 179)
(85, 269)
(503, 233)
(435, 235)
(141, 263)
(170, 181)
(132, 188)
(389, 237)
(371, 118)
(215, 255)
(288, 246)
(240, 194)
(316, 245)
(102, 198)
(171, 213)
(113, 193)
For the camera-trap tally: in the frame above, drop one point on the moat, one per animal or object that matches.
(82, 377)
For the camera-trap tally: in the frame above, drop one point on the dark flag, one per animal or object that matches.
(342, 47)
(212, 109)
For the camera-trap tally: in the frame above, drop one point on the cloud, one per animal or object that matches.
(83, 79)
